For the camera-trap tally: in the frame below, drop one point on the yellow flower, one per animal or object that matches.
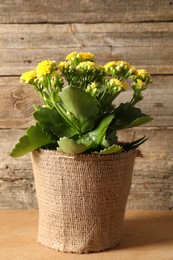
(139, 84)
(123, 66)
(132, 70)
(71, 55)
(45, 67)
(86, 65)
(93, 85)
(62, 65)
(89, 63)
(117, 83)
(86, 56)
(110, 64)
(122, 63)
(28, 76)
(142, 72)
(144, 76)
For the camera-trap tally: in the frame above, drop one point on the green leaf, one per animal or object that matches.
(95, 137)
(134, 144)
(139, 121)
(35, 138)
(46, 115)
(82, 105)
(98, 134)
(112, 149)
(70, 146)
(127, 116)
(62, 130)
(53, 124)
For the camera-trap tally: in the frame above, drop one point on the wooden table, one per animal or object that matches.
(147, 235)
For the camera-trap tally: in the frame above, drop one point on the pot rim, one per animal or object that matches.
(105, 157)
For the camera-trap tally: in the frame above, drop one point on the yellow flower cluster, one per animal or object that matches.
(86, 65)
(79, 69)
(63, 65)
(123, 64)
(139, 85)
(120, 67)
(71, 55)
(86, 56)
(141, 72)
(117, 84)
(143, 75)
(81, 56)
(92, 88)
(28, 76)
(45, 67)
(90, 66)
(109, 65)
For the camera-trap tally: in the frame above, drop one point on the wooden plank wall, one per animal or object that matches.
(140, 32)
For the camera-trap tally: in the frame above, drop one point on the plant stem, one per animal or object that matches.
(61, 112)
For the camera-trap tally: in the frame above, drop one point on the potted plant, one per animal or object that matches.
(82, 171)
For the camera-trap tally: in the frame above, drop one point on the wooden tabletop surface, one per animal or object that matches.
(147, 235)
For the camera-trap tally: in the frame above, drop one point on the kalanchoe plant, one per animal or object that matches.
(79, 114)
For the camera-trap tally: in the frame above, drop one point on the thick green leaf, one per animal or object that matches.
(112, 149)
(70, 146)
(45, 115)
(53, 124)
(95, 137)
(82, 105)
(35, 138)
(62, 130)
(139, 121)
(98, 134)
(127, 116)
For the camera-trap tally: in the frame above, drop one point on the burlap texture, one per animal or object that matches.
(81, 199)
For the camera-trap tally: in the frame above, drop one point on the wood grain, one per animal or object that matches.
(140, 32)
(16, 106)
(152, 181)
(56, 11)
(88, 35)
(147, 45)
(17, 188)
(155, 60)
(17, 101)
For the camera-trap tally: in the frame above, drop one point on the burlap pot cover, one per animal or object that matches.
(81, 199)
